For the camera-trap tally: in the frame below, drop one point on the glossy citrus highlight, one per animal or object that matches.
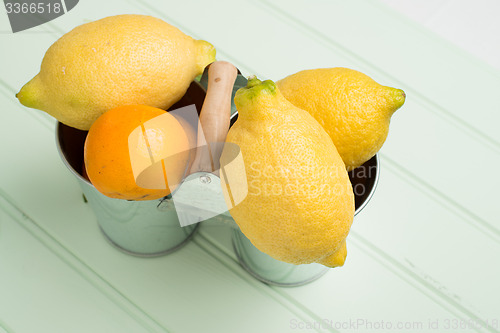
(136, 152)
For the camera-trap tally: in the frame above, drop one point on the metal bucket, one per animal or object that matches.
(274, 272)
(141, 228)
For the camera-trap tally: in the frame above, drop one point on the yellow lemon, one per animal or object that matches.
(115, 61)
(353, 109)
(300, 204)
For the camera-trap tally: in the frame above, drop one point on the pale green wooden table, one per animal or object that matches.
(423, 255)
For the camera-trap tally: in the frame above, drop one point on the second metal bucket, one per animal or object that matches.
(274, 272)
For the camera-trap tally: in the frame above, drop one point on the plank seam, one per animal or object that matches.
(418, 282)
(430, 34)
(460, 123)
(79, 266)
(469, 217)
(271, 291)
(7, 91)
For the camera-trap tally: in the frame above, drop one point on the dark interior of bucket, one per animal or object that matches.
(71, 141)
(363, 180)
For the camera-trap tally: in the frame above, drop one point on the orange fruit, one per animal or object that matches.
(136, 152)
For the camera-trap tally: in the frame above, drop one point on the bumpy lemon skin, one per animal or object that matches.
(353, 109)
(300, 203)
(118, 60)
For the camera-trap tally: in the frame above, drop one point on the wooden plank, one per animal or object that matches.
(41, 292)
(358, 296)
(378, 39)
(470, 25)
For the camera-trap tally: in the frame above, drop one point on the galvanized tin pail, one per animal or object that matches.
(141, 228)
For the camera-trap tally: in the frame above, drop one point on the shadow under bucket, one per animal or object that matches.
(141, 228)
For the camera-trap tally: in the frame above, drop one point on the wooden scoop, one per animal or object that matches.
(214, 117)
(199, 196)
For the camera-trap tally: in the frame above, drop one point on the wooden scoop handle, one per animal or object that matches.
(214, 116)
